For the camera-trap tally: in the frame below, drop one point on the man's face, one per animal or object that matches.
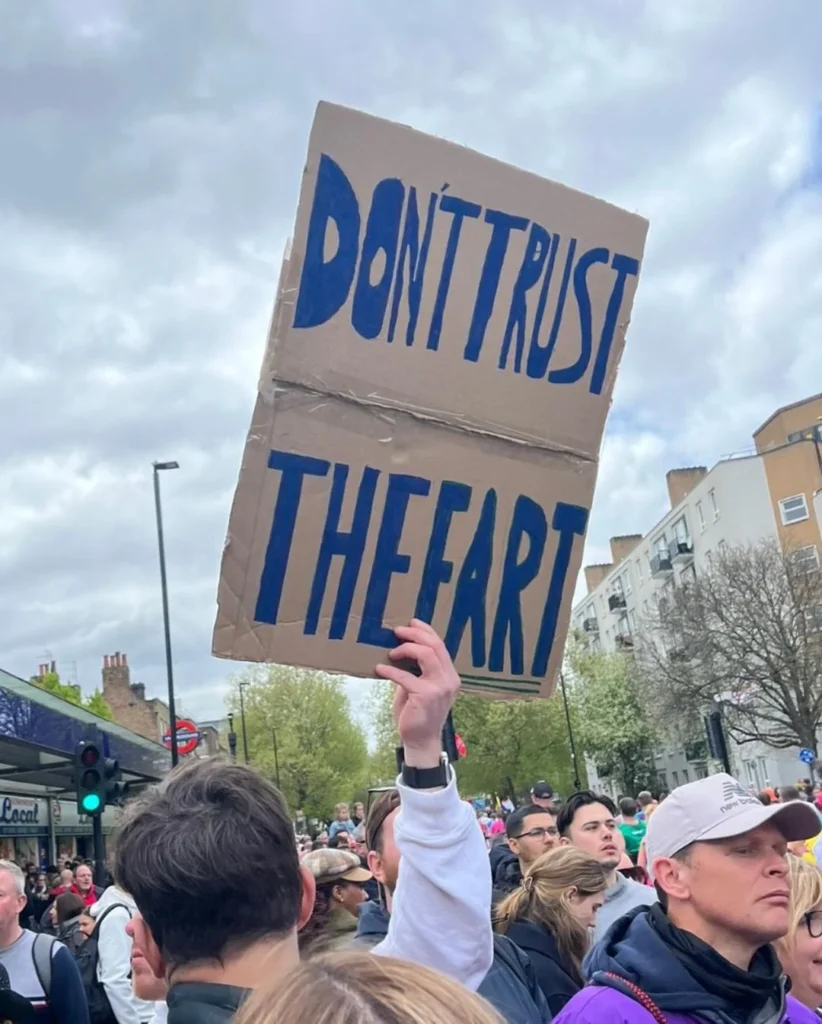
(342, 814)
(537, 834)
(11, 902)
(83, 878)
(738, 886)
(384, 864)
(594, 831)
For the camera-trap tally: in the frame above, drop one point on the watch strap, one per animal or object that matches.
(426, 778)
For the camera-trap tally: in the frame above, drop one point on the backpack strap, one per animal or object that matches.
(106, 912)
(641, 997)
(42, 950)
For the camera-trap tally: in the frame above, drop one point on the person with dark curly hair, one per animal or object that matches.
(339, 878)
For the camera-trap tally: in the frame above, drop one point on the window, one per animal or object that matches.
(685, 776)
(701, 516)
(675, 777)
(626, 582)
(681, 532)
(688, 575)
(661, 546)
(616, 586)
(813, 618)
(808, 434)
(632, 620)
(793, 510)
(714, 506)
(806, 559)
(722, 547)
(645, 609)
(639, 570)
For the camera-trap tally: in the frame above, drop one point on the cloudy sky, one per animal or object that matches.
(151, 159)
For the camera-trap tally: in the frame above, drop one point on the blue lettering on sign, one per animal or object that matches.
(390, 237)
(468, 583)
(11, 815)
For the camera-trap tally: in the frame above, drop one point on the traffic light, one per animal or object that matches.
(95, 778)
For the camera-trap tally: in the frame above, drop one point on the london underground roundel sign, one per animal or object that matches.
(188, 736)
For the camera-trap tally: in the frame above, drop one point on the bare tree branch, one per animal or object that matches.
(745, 634)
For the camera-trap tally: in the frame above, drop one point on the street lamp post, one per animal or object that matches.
(570, 732)
(242, 719)
(172, 714)
(276, 757)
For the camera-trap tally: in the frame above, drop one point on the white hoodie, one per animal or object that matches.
(114, 965)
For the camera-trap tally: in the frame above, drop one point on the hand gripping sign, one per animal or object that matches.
(428, 421)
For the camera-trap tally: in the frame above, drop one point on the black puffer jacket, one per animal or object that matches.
(510, 986)
(555, 975)
(505, 872)
(197, 1002)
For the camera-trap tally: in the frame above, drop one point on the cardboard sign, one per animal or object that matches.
(427, 428)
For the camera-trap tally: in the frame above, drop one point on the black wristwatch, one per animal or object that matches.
(426, 778)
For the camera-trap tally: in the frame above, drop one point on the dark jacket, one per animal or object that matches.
(505, 872)
(510, 985)
(199, 1002)
(556, 977)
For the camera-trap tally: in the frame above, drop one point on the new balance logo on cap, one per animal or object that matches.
(720, 808)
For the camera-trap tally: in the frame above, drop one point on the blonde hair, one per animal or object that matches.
(360, 988)
(806, 895)
(543, 899)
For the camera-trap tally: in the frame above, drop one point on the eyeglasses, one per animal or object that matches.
(539, 833)
(813, 922)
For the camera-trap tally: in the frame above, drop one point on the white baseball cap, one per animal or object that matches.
(719, 807)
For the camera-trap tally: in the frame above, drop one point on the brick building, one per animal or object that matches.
(147, 717)
(128, 703)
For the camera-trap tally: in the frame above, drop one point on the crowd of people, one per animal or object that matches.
(702, 905)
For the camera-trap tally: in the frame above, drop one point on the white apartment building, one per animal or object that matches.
(772, 491)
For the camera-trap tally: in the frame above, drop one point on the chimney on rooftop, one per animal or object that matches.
(595, 574)
(622, 546)
(682, 481)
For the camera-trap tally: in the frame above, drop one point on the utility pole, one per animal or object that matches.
(570, 732)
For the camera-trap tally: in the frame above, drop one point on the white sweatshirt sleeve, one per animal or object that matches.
(114, 966)
(441, 912)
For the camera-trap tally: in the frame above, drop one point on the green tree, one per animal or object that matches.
(382, 763)
(96, 703)
(615, 729)
(513, 744)
(322, 753)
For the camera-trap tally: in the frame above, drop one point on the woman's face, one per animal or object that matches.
(584, 908)
(803, 963)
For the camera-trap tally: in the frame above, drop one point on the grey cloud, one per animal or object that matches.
(152, 158)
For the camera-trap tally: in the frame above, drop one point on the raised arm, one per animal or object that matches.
(441, 913)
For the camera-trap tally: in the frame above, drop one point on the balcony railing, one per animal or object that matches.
(624, 641)
(590, 626)
(616, 602)
(681, 552)
(661, 567)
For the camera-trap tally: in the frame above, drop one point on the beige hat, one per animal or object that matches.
(335, 866)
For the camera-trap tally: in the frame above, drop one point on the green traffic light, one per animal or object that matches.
(91, 803)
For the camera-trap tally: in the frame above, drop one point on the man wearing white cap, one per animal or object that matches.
(718, 860)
